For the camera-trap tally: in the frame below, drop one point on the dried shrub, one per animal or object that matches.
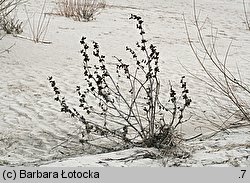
(129, 114)
(226, 86)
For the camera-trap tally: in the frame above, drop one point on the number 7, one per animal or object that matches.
(243, 173)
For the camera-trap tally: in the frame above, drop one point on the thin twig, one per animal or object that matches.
(246, 16)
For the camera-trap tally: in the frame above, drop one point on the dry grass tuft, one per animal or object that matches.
(8, 22)
(80, 10)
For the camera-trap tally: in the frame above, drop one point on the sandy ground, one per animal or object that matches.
(222, 150)
(33, 130)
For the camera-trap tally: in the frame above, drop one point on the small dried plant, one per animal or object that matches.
(9, 23)
(130, 114)
(80, 10)
(39, 28)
